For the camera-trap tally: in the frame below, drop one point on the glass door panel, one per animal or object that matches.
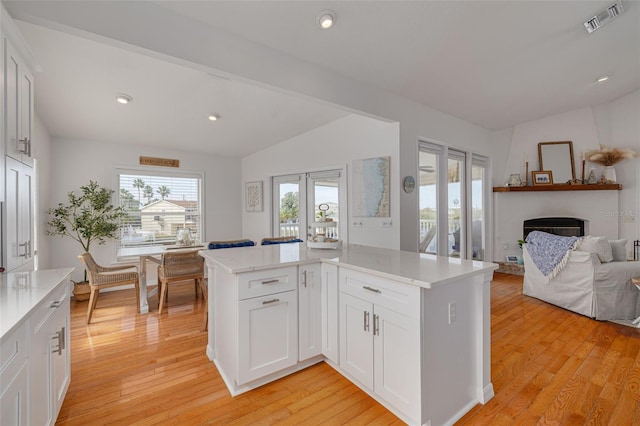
(325, 204)
(287, 208)
(428, 198)
(477, 211)
(455, 171)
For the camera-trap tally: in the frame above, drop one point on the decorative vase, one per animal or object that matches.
(609, 174)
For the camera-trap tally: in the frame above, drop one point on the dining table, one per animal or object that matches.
(151, 254)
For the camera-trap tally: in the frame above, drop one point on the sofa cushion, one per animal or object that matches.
(619, 250)
(597, 245)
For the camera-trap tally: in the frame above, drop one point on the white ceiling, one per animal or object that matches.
(492, 63)
(75, 98)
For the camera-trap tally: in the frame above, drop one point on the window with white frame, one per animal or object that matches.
(158, 205)
(453, 195)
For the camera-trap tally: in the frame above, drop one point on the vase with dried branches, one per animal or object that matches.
(607, 157)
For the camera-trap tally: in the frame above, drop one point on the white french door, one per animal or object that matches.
(453, 194)
(299, 199)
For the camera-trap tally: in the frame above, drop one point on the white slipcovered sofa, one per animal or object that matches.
(586, 286)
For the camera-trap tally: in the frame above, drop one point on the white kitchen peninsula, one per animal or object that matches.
(412, 330)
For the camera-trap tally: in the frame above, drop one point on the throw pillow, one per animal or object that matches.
(619, 250)
(597, 245)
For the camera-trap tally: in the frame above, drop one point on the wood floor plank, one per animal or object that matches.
(549, 366)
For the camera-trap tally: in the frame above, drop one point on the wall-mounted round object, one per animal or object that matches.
(408, 184)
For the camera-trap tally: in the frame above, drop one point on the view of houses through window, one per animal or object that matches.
(158, 206)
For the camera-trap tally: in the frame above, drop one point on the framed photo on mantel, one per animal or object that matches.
(543, 177)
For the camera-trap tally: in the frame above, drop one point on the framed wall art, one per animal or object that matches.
(253, 196)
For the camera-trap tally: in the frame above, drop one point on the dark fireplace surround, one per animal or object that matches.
(564, 226)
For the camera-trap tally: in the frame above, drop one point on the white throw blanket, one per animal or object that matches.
(549, 252)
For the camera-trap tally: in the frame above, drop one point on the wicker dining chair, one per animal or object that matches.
(279, 240)
(179, 266)
(108, 276)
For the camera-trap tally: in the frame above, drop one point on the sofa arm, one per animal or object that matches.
(577, 259)
(578, 256)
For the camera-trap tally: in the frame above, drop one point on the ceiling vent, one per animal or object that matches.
(604, 17)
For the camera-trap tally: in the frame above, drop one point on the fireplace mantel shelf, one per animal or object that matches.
(560, 187)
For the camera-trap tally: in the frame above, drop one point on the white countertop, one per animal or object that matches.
(419, 269)
(21, 292)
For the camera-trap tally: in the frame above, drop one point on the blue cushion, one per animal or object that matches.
(268, 243)
(213, 246)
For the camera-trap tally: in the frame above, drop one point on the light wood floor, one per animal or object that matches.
(549, 366)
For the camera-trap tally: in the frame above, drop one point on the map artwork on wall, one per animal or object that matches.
(371, 187)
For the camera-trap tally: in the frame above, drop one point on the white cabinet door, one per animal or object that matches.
(356, 338)
(41, 407)
(49, 363)
(329, 312)
(396, 356)
(3, 144)
(14, 402)
(267, 335)
(19, 214)
(60, 356)
(309, 317)
(19, 105)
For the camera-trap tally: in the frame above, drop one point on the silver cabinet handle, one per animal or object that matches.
(55, 304)
(27, 146)
(304, 278)
(374, 290)
(60, 344)
(26, 249)
(270, 281)
(266, 302)
(366, 321)
(376, 325)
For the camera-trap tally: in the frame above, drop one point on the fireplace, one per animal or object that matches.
(565, 226)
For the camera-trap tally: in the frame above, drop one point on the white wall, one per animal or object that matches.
(333, 145)
(618, 125)
(41, 151)
(74, 163)
(613, 214)
(259, 64)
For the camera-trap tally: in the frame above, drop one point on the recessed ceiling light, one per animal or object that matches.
(214, 117)
(123, 99)
(326, 19)
(602, 79)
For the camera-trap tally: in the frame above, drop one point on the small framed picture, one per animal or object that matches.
(253, 196)
(514, 180)
(543, 177)
(512, 258)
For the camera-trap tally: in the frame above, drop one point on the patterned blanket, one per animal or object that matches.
(549, 252)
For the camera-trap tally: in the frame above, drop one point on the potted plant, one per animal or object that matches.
(88, 217)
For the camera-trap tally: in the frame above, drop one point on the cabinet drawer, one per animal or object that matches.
(393, 295)
(49, 306)
(13, 355)
(269, 281)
